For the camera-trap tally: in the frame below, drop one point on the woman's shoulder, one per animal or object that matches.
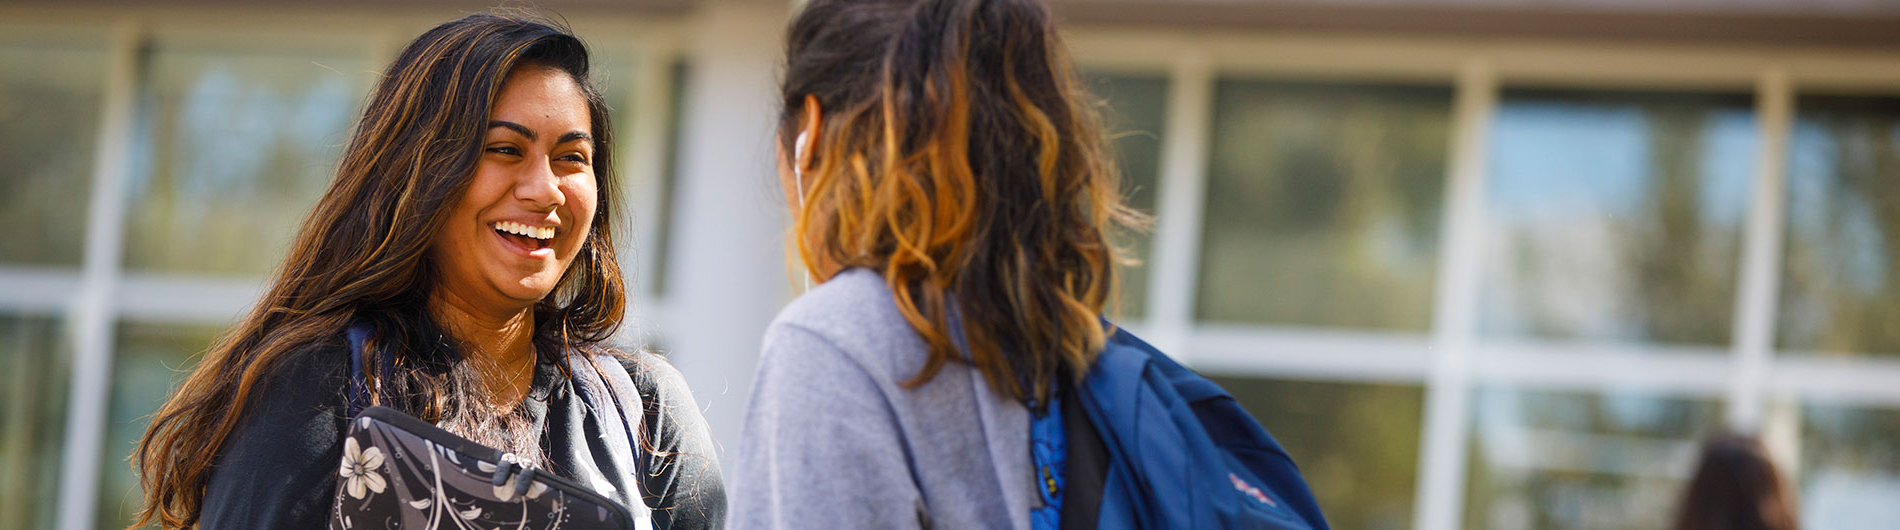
(851, 300)
(307, 380)
(316, 365)
(286, 445)
(653, 374)
(854, 316)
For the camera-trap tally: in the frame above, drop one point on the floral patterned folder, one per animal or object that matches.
(400, 473)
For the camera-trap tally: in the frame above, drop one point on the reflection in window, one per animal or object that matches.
(1356, 443)
(1323, 204)
(678, 73)
(1850, 467)
(1136, 111)
(1616, 215)
(34, 372)
(147, 361)
(49, 115)
(1580, 461)
(1840, 278)
(615, 73)
(235, 143)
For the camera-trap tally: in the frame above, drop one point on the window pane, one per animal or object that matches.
(615, 73)
(34, 375)
(236, 142)
(147, 361)
(49, 114)
(1356, 444)
(1563, 460)
(1323, 204)
(1840, 280)
(1850, 467)
(678, 74)
(1616, 215)
(1137, 110)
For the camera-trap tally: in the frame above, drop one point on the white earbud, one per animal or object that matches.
(798, 181)
(798, 166)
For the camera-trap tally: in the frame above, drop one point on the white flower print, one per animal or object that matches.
(358, 470)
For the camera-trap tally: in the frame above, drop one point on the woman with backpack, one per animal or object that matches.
(460, 269)
(953, 195)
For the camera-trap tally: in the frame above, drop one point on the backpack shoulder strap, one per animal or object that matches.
(1087, 466)
(359, 398)
(609, 394)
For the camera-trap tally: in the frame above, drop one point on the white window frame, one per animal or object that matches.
(1454, 357)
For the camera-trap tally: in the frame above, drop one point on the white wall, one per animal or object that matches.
(727, 268)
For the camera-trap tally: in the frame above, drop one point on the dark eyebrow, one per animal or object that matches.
(572, 136)
(523, 129)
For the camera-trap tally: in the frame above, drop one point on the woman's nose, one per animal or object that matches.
(539, 185)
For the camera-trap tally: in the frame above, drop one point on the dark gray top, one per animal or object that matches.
(278, 469)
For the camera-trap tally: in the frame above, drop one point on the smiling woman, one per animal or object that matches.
(468, 236)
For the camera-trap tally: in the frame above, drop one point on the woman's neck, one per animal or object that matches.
(499, 344)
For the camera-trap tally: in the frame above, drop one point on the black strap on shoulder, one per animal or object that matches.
(359, 398)
(1086, 471)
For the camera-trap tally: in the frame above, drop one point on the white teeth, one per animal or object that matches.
(525, 230)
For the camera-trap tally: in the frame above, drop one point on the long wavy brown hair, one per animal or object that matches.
(961, 157)
(362, 255)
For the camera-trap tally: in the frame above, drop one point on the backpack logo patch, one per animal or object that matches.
(1255, 493)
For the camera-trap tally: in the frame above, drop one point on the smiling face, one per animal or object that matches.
(530, 205)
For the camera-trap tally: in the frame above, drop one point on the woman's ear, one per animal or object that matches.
(808, 136)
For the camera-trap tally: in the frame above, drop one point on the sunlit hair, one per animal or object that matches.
(961, 158)
(363, 255)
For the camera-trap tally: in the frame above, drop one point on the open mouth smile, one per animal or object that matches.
(532, 240)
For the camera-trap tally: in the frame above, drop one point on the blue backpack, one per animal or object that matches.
(1179, 452)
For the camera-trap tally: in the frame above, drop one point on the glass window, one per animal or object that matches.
(678, 74)
(1136, 113)
(148, 360)
(1840, 288)
(1356, 443)
(1616, 215)
(50, 97)
(34, 375)
(235, 143)
(1850, 467)
(615, 73)
(1323, 204)
(1543, 459)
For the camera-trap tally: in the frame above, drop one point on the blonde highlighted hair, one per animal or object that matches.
(960, 157)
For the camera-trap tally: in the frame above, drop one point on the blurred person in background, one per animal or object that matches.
(468, 235)
(1736, 487)
(953, 194)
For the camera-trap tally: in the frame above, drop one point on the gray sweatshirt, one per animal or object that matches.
(832, 439)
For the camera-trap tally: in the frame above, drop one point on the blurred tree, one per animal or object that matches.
(1579, 461)
(1841, 274)
(1681, 296)
(1323, 204)
(34, 371)
(49, 115)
